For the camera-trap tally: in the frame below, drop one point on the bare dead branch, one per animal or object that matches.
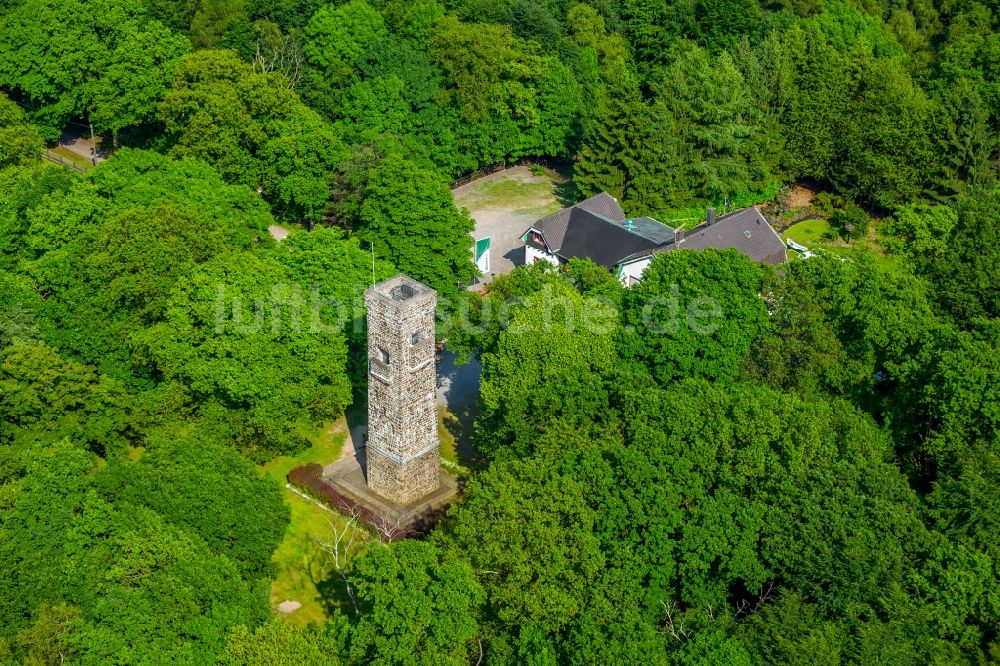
(387, 525)
(675, 629)
(339, 550)
(283, 58)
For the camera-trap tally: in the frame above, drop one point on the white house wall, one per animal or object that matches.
(629, 274)
(533, 254)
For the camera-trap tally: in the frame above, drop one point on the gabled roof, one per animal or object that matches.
(603, 241)
(597, 229)
(553, 227)
(745, 230)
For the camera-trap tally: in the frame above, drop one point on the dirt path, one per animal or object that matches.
(79, 142)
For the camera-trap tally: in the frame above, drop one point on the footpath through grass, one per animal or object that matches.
(303, 568)
(67, 155)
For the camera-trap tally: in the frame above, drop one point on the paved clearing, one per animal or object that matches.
(278, 232)
(504, 205)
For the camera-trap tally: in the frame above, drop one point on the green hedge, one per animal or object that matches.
(695, 215)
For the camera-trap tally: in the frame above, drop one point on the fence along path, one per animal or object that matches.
(56, 158)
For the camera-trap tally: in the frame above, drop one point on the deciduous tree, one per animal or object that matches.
(410, 217)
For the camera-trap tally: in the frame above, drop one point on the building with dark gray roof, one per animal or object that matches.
(745, 230)
(597, 229)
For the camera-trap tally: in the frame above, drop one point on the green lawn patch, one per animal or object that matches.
(456, 434)
(326, 445)
(810, 231)
(73, 158)
(815, 235)
(303, 569)
(520, 193)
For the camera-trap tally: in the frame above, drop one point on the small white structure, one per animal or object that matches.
(482, 255)
(630, 271)
(534, 253)
(795, 246)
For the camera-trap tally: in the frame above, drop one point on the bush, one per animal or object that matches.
(850, 222)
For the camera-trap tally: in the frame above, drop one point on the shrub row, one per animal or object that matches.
(309, 479)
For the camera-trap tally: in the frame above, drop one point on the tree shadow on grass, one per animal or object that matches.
(333, 595)
(460, 428)
(566, 192)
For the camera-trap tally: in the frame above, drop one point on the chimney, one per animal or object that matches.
(711, 216)
(678, 235)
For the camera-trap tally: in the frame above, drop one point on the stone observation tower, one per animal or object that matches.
(402, 457)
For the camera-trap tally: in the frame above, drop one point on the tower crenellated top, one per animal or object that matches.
(402, 292)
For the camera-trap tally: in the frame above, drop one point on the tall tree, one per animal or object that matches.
(86, 58)
(253, 130)
(695, 314)
(709, 107)
(244, 311)
(553, 361)
(410, 217)
(211, 490)
(625, 151)
(107, 251)
(419, 607)
(20, 143)
(145, 589)
(47, 398)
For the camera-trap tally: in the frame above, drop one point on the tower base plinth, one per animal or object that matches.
(347, 477)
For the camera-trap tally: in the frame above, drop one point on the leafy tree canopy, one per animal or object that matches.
(695, 313)
(20, 143)
(418, 607)
(253, 130)
(87, 58)
(245, 311)
(410, 217)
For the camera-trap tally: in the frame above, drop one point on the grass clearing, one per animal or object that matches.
(326, 445)
(520, 194)
(458, 453)
(811, 231)
(815, 235)
(74, 158)
(303, 568)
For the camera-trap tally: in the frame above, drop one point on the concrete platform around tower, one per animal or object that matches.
(348, 478)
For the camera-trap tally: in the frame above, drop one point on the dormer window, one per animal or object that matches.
(536, 238)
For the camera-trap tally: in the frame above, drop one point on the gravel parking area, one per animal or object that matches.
(504, 205)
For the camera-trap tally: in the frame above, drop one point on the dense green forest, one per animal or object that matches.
(813, 480)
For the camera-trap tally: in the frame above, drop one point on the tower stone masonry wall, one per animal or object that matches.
(403, 458)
